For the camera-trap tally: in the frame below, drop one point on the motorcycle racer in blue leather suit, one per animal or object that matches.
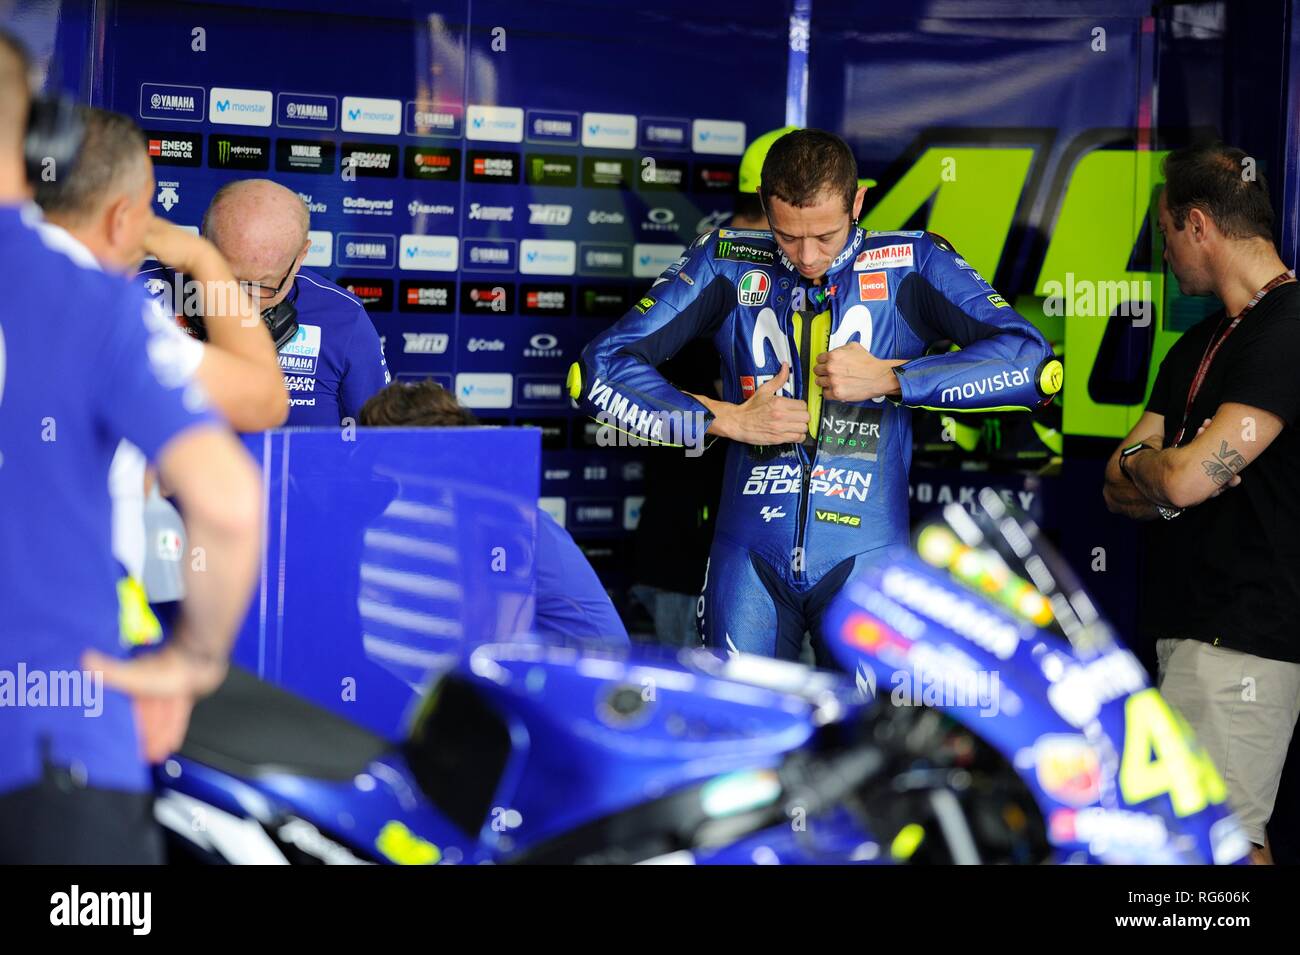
(794, 518)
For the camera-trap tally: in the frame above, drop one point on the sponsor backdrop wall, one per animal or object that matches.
(498, 180)
(495, 181)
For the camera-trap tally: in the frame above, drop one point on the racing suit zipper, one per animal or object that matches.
(802, 516)
(807, 455)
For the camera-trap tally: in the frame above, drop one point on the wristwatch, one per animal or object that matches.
(1168, 513)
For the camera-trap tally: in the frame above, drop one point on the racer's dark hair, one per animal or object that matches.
(807, 164)
(15, 90)
(422, 404)
(117, 152)
(1221, 182)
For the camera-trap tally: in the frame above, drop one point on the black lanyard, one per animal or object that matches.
(1216, 343)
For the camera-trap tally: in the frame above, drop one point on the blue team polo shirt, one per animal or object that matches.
(85, 361)
(333, 363)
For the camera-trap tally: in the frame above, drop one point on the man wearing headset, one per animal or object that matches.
(102, 217)
(329, 350)
(84, 364)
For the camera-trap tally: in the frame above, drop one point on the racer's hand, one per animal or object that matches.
(851, 373)
(766, 418)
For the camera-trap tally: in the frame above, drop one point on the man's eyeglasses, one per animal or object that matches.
(261, 291)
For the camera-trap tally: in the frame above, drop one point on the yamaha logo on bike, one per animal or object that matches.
(753, 288)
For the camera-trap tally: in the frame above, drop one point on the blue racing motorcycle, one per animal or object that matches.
(991, 717)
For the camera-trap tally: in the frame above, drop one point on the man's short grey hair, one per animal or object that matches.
(116, 153)
(222, 194)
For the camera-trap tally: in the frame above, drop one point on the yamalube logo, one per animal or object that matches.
(753, 288)
(543, 345)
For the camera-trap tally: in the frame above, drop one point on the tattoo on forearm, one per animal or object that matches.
(1221, 468)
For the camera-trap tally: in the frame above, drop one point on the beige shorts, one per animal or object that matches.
(1243, 710)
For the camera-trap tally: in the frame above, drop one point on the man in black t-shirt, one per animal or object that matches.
(1217, 455)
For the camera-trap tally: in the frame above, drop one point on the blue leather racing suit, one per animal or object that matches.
(794, 518)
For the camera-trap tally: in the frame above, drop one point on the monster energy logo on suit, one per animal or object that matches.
(743, 252)
(850, 431)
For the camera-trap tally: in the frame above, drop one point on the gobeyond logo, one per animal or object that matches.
(64, 689)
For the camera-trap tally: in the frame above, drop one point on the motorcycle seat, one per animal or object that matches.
(250, 728)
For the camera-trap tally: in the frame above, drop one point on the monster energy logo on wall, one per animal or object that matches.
(239, 152)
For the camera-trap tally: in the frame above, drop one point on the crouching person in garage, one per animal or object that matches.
(328, 347)
(83, 365)
(571, 603)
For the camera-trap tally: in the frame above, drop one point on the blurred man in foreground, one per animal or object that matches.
(84, 364)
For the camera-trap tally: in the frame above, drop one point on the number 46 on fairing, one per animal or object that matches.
(1161, 756)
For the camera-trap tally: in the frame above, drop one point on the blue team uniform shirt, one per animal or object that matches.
(333, 363)
(571, 603)
(85, 362)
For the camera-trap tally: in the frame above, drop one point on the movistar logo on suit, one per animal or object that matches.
(985, 386)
